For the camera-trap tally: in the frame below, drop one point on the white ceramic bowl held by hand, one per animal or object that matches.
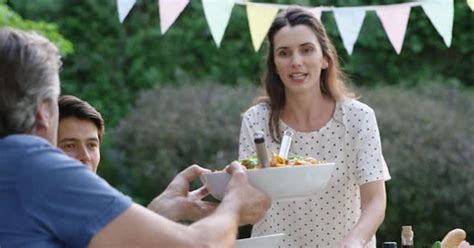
(268, 241)
(277, 182)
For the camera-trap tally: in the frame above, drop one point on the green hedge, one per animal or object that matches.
(426, 136)
(172, 128)
(428, 142)
(113, 61)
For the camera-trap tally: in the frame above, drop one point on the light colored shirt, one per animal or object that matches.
(351, 140)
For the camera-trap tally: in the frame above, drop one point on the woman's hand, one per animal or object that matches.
(350, 241)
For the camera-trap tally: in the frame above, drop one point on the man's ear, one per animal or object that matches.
(43, 119)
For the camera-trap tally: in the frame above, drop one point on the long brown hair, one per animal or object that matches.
(331, 80)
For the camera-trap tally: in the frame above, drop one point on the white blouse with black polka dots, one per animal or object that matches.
(350, 139)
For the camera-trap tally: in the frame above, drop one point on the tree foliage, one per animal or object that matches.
(10, 18)
(114, 61)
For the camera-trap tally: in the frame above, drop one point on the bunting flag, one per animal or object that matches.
(441, 15)
(124, 7)
(169, 12)
(349, 22)
(316, 12)
(260, 17)
(470, 3)
(217, 15)
(394, 20)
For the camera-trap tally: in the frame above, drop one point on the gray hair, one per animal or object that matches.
(29, 66)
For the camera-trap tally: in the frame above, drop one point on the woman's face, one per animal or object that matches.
(298, 58)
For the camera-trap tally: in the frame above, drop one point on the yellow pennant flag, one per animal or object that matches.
(471, 4)
(260, 18)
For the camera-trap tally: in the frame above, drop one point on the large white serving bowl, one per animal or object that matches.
(267, 241)
(277, 182)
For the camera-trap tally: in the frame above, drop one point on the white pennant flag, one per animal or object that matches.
(124, 7)
(217, 15)
(349, 22)
(470, 3)
(169, 12)
(441, 15)
(394, 20)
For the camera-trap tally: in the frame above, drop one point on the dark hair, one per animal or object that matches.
(71, 106)
(332, 78)
(29, 75)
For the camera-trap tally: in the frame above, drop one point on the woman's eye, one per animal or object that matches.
(307, 50)
(282, 53)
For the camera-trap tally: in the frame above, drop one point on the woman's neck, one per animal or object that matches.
(307, 112)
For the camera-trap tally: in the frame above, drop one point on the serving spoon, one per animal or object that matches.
(285, 144)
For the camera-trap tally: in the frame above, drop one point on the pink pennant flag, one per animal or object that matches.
(316, 12)
(394, 20)
(169, 12)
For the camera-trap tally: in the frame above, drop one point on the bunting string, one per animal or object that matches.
(349, 20)
(331, 8)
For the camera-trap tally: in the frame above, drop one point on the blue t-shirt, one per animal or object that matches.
(50, 200)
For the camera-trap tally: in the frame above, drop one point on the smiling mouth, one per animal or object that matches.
(298, 77)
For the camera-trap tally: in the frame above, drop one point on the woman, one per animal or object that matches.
(305, 93)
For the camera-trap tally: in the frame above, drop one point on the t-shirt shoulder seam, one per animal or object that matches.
(259, 107)
(116, 207)
(356, 104)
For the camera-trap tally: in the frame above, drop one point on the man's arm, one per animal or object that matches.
(140, 227)
(178, 204)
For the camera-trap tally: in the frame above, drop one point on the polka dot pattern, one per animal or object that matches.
(350, 139)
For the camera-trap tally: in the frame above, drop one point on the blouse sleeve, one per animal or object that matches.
(371, 164)
(246, 146)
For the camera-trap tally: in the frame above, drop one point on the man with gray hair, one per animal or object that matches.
(51, 200)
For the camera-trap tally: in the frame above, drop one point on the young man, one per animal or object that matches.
(80, 132)
(51, 200)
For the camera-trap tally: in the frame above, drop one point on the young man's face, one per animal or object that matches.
(79, 139)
